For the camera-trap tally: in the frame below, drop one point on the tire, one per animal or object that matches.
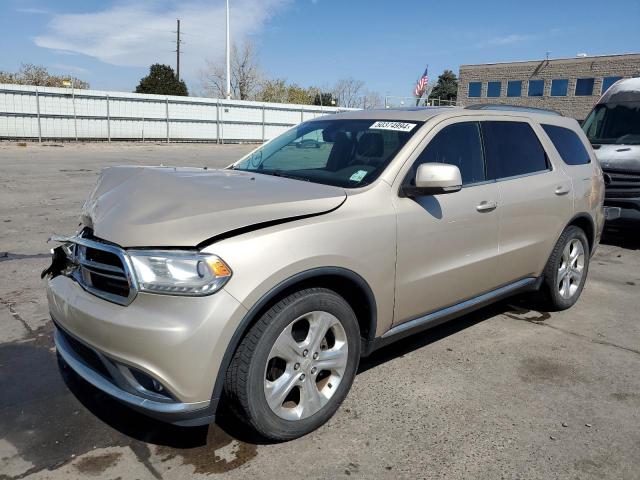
(562, 290)
(274, 386)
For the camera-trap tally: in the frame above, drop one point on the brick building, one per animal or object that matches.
(570, 86)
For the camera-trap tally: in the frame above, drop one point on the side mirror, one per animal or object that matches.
(434, 178)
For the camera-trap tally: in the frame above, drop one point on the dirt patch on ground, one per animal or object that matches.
(97, 464)
(221, 453)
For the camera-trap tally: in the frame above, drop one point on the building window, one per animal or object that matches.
(514, 88)
(475, 89)
(607, 82)
(584, 87)
(536, 88)
(493, 89)
(559, 87)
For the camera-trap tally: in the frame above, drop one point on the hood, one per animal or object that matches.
(618, 157)
(184, 207)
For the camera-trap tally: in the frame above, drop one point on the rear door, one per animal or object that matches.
(536, 199)
(577, 159)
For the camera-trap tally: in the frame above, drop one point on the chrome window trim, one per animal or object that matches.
(89, 265)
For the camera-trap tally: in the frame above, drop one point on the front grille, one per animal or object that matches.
(621, 184)
(102, 269)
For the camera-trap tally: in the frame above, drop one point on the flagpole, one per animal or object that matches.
(426, 70)
(228, 59)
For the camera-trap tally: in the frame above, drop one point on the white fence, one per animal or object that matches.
(40, 113)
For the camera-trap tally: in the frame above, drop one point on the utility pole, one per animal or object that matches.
(178, 50)
(228, 92)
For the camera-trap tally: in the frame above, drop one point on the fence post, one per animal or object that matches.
(221, 127)
(108, 121)
(217, 121)
(38, 113)
(167, 114)
(73, 104)
(263, 126)
(301, 114)
(142, 128)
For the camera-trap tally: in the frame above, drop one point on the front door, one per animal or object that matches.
(447, 244)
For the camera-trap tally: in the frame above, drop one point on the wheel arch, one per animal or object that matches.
(585, 222)
(345, 282)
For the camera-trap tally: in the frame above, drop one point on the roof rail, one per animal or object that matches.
(511, 108)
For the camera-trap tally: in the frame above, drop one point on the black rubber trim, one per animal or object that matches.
(203, 416)
(248, 319)
(443, 315)
(631, 203)
(586, 216)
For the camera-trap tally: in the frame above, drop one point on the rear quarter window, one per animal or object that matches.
(568, 144)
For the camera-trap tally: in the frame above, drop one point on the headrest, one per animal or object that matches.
(370, 145)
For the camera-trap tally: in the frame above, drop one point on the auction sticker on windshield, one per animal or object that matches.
(396, 126)
(358, 176)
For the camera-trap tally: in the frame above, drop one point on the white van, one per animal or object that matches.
(613, 128)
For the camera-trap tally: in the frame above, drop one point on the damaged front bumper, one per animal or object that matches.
(160, 354)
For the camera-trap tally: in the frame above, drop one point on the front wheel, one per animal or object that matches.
(566, 270)
(296, 365)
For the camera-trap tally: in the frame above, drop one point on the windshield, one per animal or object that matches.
(617, 123)
(343, 153)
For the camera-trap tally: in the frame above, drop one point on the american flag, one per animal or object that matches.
(422, 83)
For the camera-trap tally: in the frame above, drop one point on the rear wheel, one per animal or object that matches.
(295, 365)
(566, 270)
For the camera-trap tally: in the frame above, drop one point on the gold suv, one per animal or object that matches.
(265, 282)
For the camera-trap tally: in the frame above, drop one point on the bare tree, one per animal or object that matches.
(348, 92)
(371, 100)
(245, 74)
(38, 75)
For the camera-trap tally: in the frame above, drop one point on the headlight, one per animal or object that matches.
(178, 273)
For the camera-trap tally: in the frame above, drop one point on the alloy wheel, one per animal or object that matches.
(305, 365)
(571, 268)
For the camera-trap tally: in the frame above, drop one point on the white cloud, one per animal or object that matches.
(515, 38)
(65, 68)
(507, 40)
(141, 33)
(33, 11)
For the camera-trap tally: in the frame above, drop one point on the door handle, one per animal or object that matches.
(560, 190)
(485, 206)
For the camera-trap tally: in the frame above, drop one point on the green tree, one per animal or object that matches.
(279, 91)
(327, 100)
(162, 81)
(447, 86)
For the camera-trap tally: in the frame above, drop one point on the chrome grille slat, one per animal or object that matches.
(89, 264)
(105, 275)
(621, 184)
(105, 280)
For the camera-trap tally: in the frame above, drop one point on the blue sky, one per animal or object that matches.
(110, 43)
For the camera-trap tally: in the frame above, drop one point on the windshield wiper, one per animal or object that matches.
(280, 173)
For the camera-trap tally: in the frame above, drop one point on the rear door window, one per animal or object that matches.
(459, 144)
(512, 149)
(568, 144)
